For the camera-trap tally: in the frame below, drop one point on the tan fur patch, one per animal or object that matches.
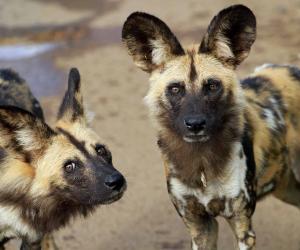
(16, 175)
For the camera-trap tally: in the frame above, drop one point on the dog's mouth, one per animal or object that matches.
(105, 199)
(196, 138)
(114, 196)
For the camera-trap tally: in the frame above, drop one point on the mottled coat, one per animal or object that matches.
(49, 175)
(225, 143)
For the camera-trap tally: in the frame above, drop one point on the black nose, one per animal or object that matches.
(195, 123)
(114, 181)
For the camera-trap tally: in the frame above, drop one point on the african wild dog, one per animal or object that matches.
(48, 175)
(226, 143)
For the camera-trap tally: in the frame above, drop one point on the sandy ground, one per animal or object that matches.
(89, 32)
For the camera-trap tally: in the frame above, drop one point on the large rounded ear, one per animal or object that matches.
(71, 108)
(149, 41)
(23, 132)
(230, 35)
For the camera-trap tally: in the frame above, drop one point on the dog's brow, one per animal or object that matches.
(78, 144)
(193, 72)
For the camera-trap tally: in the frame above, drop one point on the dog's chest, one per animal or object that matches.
(221, 196)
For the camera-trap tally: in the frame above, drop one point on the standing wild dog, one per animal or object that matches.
(226, 143)
(48, 175)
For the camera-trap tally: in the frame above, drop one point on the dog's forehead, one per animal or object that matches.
(193, 68)
(207, 66)
(80, 133)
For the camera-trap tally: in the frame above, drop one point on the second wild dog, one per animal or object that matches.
(226, 143)
(49, 175)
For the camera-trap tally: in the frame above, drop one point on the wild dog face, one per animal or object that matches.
(68, 164)
(194, 93)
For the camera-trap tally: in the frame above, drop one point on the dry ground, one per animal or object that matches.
(144, 219)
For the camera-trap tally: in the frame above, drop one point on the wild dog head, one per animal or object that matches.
(194, 93)
(68, 164)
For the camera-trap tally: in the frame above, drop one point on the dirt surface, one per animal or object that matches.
(86, 34)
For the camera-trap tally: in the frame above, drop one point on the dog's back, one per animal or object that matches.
(14, 91)
(273, 104)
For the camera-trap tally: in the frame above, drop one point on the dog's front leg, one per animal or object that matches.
(202, 227)
(203, 231)
(242, 228)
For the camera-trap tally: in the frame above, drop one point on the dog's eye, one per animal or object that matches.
(70, 166)
(176, 89)
(212, 85)
(101, 150)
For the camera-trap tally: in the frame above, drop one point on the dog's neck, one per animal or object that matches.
(195, 164)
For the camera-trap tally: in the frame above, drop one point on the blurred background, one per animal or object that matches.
(43, 39)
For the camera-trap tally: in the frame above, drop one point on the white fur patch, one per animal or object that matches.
(194, 246)
(11, 223)
(27, 139)
(270, 119)
(229, 186)
(196, 139)
(178, 189)
(159, 51)
(264, 66)
(275, 104)
(223, 49)
(243, 246)
(270, 65)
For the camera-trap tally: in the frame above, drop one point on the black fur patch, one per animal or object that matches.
(80, 145)
(193, 72)
(294, 72)
(14, 91)
(72, 101)
(4, 241)
(247, 142)
(37, 110)
(3, 155)
(255, 83)
(10, 76)
(74, 80)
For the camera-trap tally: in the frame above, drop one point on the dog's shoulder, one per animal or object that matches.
(14, 91)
